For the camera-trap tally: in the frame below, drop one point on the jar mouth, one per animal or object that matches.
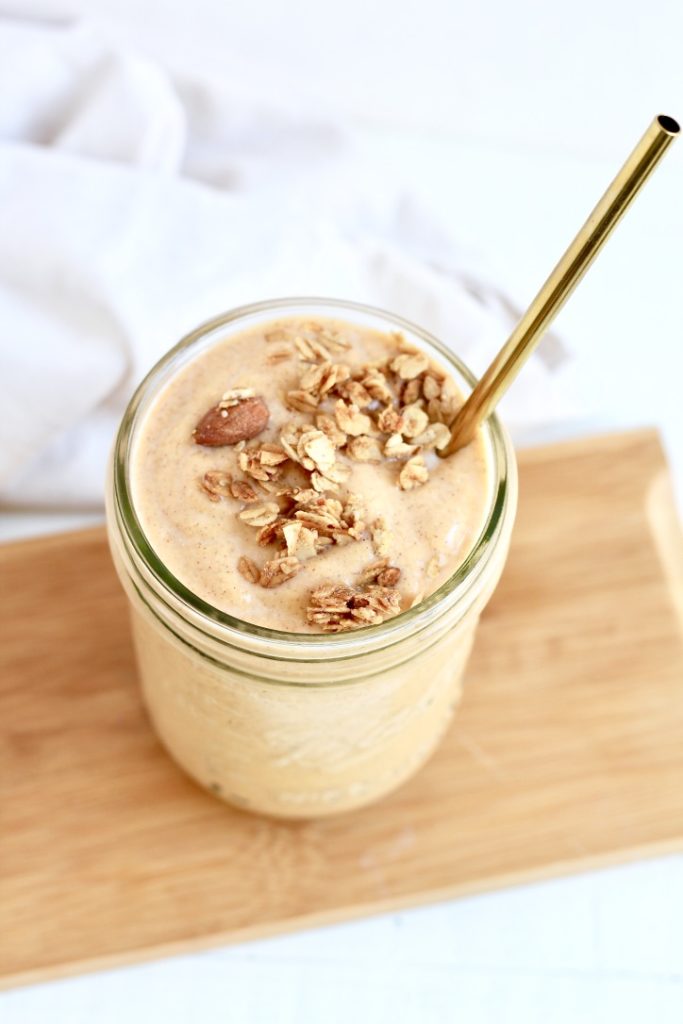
(219, 624)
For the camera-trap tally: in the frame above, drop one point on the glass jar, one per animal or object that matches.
(300, 725)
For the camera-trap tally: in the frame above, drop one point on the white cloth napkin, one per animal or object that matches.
(137, 204)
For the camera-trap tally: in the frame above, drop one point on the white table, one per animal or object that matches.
(605, 946)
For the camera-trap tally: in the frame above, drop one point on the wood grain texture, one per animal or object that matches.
(567, 752)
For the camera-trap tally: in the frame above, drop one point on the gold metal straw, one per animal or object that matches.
(562, 281)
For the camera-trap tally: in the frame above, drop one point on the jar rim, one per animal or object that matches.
(218, 624)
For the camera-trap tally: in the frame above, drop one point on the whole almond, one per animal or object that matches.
(239, 422)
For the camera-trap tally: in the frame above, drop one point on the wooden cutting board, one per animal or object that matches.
(567, 753)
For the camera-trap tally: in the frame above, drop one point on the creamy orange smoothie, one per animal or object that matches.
(288, 479)
(339, 484)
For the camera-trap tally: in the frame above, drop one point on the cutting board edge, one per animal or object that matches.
(341, 915)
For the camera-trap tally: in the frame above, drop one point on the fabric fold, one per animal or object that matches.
(137, 205)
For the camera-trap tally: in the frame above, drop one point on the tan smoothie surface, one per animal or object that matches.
(288, 475)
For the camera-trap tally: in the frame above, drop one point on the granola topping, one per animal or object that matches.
(242, 491)
(217, 485)
(318, 451)
(328, 426)
(262, 463)
(414, 420)
(301, 401)
(410, 365)
(297, 489)
(300, 540)
(312, 350)
(260, 515)
(248, 569)
(396, 448)
(234, 396)
(381, 572)
(364, 449)
(279, 354)
(350, 419)
(413, 474)
(336, 608)
(278, 570)
(381, 537)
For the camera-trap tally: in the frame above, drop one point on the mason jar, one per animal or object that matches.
(300, 725)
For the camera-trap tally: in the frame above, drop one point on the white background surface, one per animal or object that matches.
(510, 119)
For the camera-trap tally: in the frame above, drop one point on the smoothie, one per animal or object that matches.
(305, 573)
(290, 477)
